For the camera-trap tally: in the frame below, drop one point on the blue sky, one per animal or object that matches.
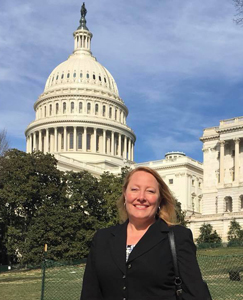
(178, 64)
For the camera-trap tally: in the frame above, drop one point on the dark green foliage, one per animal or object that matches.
(235, 234)
(180, 214)
(208, 238)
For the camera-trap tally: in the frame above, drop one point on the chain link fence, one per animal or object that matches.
(63, 281)
(224, 275)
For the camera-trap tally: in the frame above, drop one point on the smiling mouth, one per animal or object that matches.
(139, 206)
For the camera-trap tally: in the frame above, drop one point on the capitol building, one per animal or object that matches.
(81, 120)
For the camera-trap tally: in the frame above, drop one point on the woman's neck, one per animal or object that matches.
(135, 231)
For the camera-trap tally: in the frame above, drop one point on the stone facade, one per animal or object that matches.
(223, 177)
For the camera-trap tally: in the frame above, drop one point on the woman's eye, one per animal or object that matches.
(151, 191)
(134, 189)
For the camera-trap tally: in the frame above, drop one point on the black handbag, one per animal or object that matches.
(178, 281)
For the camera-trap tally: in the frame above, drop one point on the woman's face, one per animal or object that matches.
(142, 196)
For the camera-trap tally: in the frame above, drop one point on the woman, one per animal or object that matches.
(133, 261)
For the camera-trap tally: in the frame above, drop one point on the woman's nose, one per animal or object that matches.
(142, 196)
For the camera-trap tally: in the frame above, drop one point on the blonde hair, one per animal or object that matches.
(166, 202)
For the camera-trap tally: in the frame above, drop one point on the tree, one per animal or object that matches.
(239, 9)
(235, 234)
(29, 184)
(208, 238)
(3, 142)
(180, 214)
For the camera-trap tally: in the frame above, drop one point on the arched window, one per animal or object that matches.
(103, 111)
(88, 108)
(96, 109)
(57, 108)
(71, 140)
(72, 107)
(64, 107)
(228, 204)
(79, 140)
(110, 112)
(80, 107)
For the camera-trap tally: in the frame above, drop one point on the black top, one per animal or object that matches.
(148, 273)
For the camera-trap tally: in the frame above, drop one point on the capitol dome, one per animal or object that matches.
(80, 117)
(83, 71)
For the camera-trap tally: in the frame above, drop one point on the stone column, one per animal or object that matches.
(75, 138)
(95, 141)
(47, 140)
(34, 146)
(129, 149)
(40, 140)
(65, 138)
(112, 143)
(104, 141)
(119, 144)
(31, 143)
(221, 163)
(85, 139)
(125, 148)
(237, 152)
(55, 140)
(132, 158)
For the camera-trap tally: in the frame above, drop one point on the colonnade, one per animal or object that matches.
(81, 139)
(236, 160)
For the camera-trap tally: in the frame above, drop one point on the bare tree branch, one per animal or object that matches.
(3, 142)
(239, 9)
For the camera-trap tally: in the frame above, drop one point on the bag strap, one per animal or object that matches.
(178, 281)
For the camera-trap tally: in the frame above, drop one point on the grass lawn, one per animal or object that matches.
(64, 282)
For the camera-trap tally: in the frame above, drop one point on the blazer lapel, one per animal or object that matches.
(154, 235)
(118, 245)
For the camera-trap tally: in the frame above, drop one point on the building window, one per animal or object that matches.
(97, 143)
(68, 75)
(71, 140)
(57, 77)
(57, 108)
(104, 79)
(115, 114)
(228, 204)
(99, 78)
(80, 107)
(88, 108)
(72, 107)
(50, 110)
(44, 111)
(110, 112)
(94, 76)
(81, 75)
(64, 107)
(103, 111)
(74, 75)
(170, 181)
(62, 141)
(241, 202)
(96, 109)
(87, 75)
(62, 76)
(193, 182)
(88, 141)
(79, 140)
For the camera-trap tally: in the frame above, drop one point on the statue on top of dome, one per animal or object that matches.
(83, 20)
(83, 10)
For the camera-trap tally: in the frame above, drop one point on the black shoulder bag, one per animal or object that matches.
(178, 281)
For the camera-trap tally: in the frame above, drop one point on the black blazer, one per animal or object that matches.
(148, 274)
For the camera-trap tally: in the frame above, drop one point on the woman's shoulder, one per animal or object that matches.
(182, 231)
(108, 230)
